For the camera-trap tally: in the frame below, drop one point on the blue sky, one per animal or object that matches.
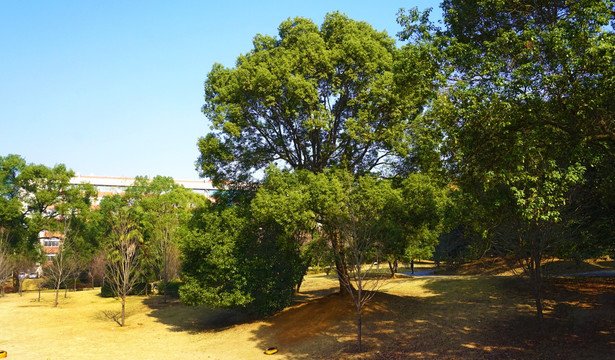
(114, 88)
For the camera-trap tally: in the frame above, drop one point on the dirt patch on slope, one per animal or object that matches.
(305, 321)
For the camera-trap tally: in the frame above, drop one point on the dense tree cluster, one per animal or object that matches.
(332, 145)
(492, 134)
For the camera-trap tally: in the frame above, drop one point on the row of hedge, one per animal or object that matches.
(140, 289)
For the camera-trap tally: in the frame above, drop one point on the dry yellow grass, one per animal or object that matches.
(472, 317)
(82, 327)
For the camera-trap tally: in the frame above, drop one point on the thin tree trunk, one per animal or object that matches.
(165, 287)
(57, 294)
(123, 310)
(359, 329)
(538, 289)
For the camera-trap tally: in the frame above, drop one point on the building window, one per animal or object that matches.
(53, 242)
(51, 256)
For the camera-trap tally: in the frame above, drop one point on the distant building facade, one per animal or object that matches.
(109, 186)
(50, 241)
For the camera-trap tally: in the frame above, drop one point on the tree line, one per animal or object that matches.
(507, 106)
(491, 134)
(124, 241)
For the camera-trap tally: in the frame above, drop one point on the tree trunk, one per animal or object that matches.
(359, 329)
(75, 285)
(340, 264)
(57, 294)
(412, 266)
(306, 267)
(65, 290)
(538, 289)
(392, 269)
(535, 272)
(165, 281)
(123, 311)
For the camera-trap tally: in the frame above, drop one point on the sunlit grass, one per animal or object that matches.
(470, 317)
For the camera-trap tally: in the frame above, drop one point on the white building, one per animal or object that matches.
(108, 186)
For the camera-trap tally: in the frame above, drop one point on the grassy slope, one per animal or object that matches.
(472, 317)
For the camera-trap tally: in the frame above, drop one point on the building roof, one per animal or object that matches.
(125, 182)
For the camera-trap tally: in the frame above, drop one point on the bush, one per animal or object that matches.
(172, 288)
(81, 286)
(138, 289)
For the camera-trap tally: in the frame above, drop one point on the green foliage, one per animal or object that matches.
(312, 98)
(172, 288)
(407, 216)
(36, 197)
(230, 259)
(106, 290)
(526, 111)
(527, 106)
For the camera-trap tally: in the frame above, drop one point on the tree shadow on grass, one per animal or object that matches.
(464, 318)
(193, 319)
(580, 318)
(200, 319)
(112, 315)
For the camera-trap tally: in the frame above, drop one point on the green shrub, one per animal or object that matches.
(172, 288)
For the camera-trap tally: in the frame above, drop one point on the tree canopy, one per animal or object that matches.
(526, 110)
(312, 98)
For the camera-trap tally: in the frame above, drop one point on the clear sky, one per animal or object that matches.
(114, 88)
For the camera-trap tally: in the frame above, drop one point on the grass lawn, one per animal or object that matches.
(452, 317)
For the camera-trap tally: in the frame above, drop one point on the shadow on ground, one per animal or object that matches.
(471, 318)
(192, 319)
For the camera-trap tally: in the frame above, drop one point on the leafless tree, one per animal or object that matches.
(96, 268)
(64, 263)
(61, 268)
(363, 280)
(123, 259)
(41, 282)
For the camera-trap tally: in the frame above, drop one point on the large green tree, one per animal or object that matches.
(341, 94)
(36, 197)
(528, 107)
(412, 219)
(163, 209)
